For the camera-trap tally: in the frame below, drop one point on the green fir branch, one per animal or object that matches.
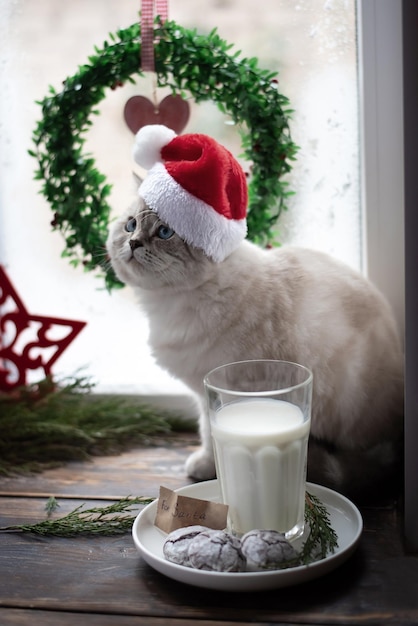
(97, 521)
(322, 538)
(47, 424)
(113, 520)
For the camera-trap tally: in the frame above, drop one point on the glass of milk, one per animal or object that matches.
(260, 414)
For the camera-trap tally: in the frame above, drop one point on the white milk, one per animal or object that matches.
(260, 450)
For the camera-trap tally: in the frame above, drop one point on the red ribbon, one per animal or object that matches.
(149, 10)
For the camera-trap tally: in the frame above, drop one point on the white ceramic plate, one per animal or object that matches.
(345, 519)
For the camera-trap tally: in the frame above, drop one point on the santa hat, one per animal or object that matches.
(196, 186)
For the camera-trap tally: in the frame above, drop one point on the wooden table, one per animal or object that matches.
(103, 581)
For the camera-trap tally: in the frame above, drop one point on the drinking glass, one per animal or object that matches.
(260, 414)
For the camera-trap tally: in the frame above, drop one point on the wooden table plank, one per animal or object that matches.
(107, 576)
(138, 472)
(18, 617)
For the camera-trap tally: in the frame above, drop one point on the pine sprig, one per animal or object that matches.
(48, 423)
(113, 519)
(322, 538)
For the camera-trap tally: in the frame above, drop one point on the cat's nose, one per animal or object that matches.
(135, 243)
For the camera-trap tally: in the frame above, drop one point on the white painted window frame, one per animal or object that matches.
(381, 144)
(410, 72)
(388, 67)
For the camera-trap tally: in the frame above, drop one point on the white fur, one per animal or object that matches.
(149, 141)
(288, 303)
(196, 222)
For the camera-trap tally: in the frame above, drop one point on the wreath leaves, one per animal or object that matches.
(185, 61)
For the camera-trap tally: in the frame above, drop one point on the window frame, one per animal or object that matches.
(379, 28)
(410, 71)
(388, 69)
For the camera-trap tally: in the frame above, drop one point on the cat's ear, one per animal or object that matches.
(137, 179)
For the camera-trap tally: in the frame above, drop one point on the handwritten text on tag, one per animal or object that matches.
(177, 511)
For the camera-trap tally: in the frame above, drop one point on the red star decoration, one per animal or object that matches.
(27, 341)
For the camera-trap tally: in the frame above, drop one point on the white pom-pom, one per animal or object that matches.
(149, 141)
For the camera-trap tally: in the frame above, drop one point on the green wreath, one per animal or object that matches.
(184, 61)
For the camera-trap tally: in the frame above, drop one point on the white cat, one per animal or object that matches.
(287, 303)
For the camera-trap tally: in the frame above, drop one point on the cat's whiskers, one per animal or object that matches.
(168, 269)
(146, 257)
(101, 256)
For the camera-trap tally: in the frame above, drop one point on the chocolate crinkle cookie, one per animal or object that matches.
(176, 545)
(216, 550)
(267, 549)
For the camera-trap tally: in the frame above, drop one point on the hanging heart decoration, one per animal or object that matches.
(173, 112)
(202, 66)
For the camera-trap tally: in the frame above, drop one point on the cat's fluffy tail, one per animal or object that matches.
(366, 476)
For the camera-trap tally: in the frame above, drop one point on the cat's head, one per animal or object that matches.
(191, 211)
(145, 252)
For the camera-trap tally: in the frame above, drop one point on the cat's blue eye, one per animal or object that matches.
(165, 232)
(130, 225)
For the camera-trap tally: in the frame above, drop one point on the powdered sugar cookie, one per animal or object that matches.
(267, 549)
(216, 550)
(175, 548)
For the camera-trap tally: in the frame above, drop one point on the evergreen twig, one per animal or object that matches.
(51, 506)
(322, 538)
(97, 521)
(112, 520)
(47, 424)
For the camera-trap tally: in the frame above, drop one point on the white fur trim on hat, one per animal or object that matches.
(192, 219)
(149, 141)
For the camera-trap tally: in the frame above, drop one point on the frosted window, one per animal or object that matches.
(312, 43)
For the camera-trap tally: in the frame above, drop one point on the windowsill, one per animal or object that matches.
(175, 402)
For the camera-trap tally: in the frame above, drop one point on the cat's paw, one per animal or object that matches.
(200, 465)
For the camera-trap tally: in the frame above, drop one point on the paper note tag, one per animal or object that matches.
(177, 511)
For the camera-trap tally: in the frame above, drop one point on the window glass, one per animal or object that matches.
(311, 43)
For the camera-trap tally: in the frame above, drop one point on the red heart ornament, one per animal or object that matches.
(173, 112)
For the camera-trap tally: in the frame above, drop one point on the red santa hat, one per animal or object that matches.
(196, 186)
